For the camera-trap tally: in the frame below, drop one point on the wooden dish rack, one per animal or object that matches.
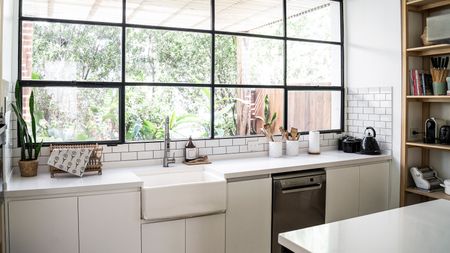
(95, 161)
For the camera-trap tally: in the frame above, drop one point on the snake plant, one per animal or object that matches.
(30, 148)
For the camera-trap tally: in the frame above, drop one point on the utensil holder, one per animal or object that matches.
(275, 149)
(439, 88)
(292, 148)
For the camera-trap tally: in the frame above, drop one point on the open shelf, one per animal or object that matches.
(429, 99)
(424, 5)
(440, 49)
(428, 146)
(434, 195)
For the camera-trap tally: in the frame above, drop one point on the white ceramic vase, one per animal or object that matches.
(275, 149)
(292, 148)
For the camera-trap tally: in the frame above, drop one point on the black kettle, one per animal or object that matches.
(369, 145)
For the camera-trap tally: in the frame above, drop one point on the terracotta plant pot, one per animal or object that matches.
(28, 168)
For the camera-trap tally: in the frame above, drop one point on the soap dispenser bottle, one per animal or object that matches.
(190, 151)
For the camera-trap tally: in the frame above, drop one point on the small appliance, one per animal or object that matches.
(432, 127)
(351, 145)
(369, 145)
(426, 178)
(444, 135)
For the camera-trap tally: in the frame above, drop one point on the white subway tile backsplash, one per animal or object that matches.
(127, 156)
(145, 155)
(219, 150)
(238, 142)
(137, 147)
(111, 157)
(120, 148)
(153, 146)
(212, 143)
(225, 142)
(205, 151)
(232, 149)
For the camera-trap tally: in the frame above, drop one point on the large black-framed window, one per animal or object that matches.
(275, 62)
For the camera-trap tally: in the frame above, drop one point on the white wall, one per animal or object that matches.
(373, 59)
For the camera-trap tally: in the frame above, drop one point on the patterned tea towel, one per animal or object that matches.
(73, 161)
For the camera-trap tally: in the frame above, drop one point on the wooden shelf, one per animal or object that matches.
(428, 146)
(434, 195)
(425, 5)
(429, 99)
(440, 49)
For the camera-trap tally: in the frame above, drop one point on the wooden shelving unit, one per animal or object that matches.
(433, 195)
(426, 5)
(409, 193)
(429, 99)
(429, 50)
(427, 146)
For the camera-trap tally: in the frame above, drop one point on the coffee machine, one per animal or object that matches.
(432, 128)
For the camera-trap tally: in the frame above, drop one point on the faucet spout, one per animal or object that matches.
(167, 159)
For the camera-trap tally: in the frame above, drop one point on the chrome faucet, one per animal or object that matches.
(167, 159)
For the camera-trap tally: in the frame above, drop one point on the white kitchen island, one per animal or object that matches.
(418, 228)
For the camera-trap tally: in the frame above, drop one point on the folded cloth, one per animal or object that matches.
(73, 161)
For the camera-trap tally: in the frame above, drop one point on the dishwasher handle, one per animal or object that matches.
(302, 188)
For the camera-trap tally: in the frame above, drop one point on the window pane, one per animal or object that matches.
(195, 14)
(314, 19)
(67, 52)
(313, 64)
(147, 106)
(247, 60)
(239, 112)
(252, 16)
(168, 56)
(92, 10)
(65, 114)
(314, 110)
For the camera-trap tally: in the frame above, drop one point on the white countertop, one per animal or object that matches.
(121, 178)
(414, 229)
(42, 184)
(249, 167)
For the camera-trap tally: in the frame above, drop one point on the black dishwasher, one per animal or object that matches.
(298, 202)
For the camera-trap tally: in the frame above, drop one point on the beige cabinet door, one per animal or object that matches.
(342, 193)
(248, 216)
(164, 237)
(373, 188)
(110, 223)
(43, 225)
(206, 234)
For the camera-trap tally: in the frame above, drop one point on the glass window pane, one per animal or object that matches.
(147, 106)
(91, 10)
(240, 112)
(313, 64)
(68, 114)
(68, 52)
(194, 14)
(314, 19)
(251, 16)
(168, 56)
(247, 60)
(314, 110)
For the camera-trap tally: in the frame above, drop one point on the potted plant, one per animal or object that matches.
(29, 146)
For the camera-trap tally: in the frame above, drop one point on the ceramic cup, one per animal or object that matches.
(292, 148)
(439, 89)
(275, 149)
(314, 142)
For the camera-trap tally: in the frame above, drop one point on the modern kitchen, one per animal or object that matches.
(224, 126)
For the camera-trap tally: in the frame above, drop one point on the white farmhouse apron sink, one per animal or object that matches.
(181, 192)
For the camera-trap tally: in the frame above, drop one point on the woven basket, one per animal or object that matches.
(95, 161)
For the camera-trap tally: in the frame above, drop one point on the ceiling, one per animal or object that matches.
(231, 15)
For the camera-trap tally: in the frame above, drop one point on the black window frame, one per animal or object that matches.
(123, 84)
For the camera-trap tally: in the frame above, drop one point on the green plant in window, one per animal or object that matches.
(269, 119)
(30, 147)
